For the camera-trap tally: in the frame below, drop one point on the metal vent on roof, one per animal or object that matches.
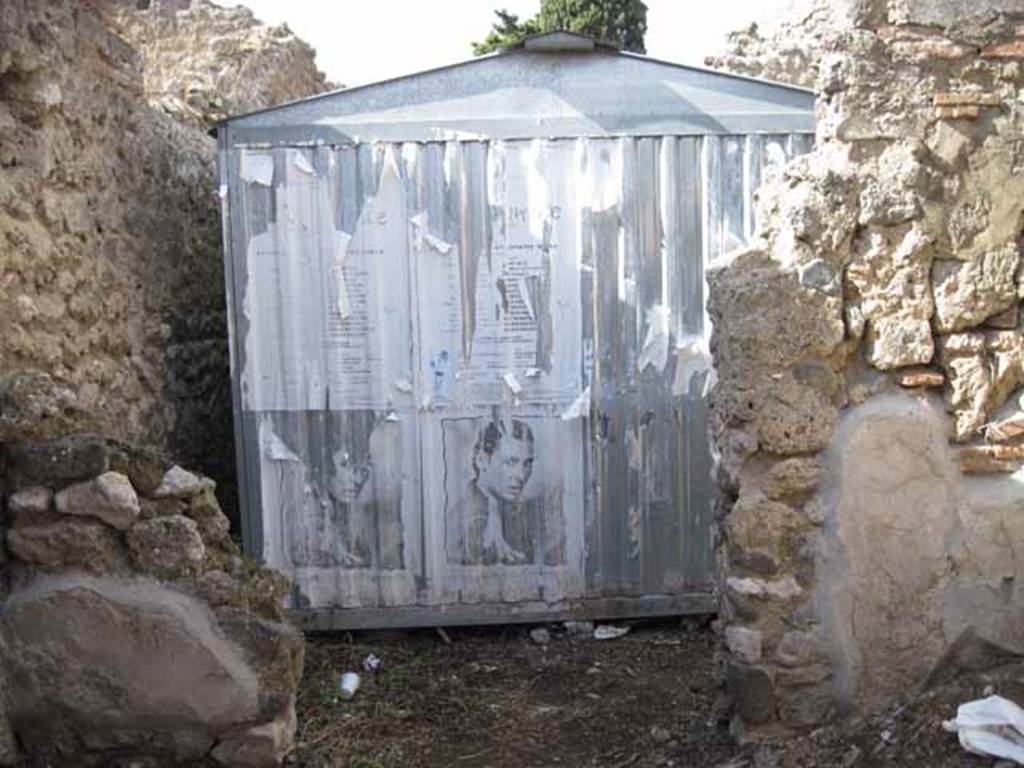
(559, 41)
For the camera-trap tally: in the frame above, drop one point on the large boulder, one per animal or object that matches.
(102, 666)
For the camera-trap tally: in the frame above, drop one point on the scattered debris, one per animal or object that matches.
(348, 684)
(540, 636)
(609, 632)
(444, 635)
(660, 735)
(993, 726)
(579, 628)
(371, 663)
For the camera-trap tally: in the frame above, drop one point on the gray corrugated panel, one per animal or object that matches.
(530, 93)
(380, 294)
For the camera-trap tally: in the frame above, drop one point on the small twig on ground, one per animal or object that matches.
(475, 754)
(444, 635)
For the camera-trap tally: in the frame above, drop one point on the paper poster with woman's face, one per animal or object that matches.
(502, 504)
(344, 479)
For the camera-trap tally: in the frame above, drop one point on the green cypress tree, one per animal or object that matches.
(622, 23)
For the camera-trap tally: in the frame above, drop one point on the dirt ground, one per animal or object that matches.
(495, 697)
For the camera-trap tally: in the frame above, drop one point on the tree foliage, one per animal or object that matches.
(620, 22)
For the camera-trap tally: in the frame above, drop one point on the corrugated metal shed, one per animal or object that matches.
(468, 335)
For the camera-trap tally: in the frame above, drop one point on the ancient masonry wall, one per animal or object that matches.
(870, 353)
(110, 261)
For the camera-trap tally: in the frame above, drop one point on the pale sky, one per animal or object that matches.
(361, 41)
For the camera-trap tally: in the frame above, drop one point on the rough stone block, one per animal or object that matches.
(793, 478)
(793, 417)
(889, 280)
(1005, 429)
(1005, 321)
(144, 467)
(54, 463)
(969, 292)
(274, 649)
(760, 525)
(33, 504)
(947, 143)
(213, 524)
(745, 644)
(798, 648)
(69, 543)
(752, 693)
(216, 588)
(150, 508)
(179, 483)
(109, 497)
(95, 651)
(166, 546)
(807, 705)
(784, 588)
(260, 746)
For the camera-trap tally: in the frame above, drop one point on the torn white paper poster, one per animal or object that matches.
(438, 244)
(341, 240)
(513, 383)
(516, 296)
(693, 358)
(273, 447)
(655, 349)
(368, 347)
(992, 726)
(580, 407)
(301, 163)
(421, 235)
(417, 224)
(286, 266)
(256, 167)
(403, 385)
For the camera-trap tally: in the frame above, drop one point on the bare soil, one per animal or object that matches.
(496, 698)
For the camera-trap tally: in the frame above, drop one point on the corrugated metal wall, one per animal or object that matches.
(472, 374)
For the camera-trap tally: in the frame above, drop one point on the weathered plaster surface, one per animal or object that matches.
(873, 329)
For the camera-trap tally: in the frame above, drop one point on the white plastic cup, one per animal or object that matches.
(348, 684)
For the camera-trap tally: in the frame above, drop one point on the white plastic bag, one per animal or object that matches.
(992, 726)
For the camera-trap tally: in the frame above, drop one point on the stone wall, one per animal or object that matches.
(202, 62)
(870, 354)
(111, 244)
(109, 222)
(132, 632)
(786, 43)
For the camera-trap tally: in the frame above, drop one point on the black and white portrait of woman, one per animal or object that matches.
(339, 477)
(501, 508)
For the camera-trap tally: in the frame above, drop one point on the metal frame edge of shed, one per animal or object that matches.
(598, 46)
(297, 129)
(619, 607)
